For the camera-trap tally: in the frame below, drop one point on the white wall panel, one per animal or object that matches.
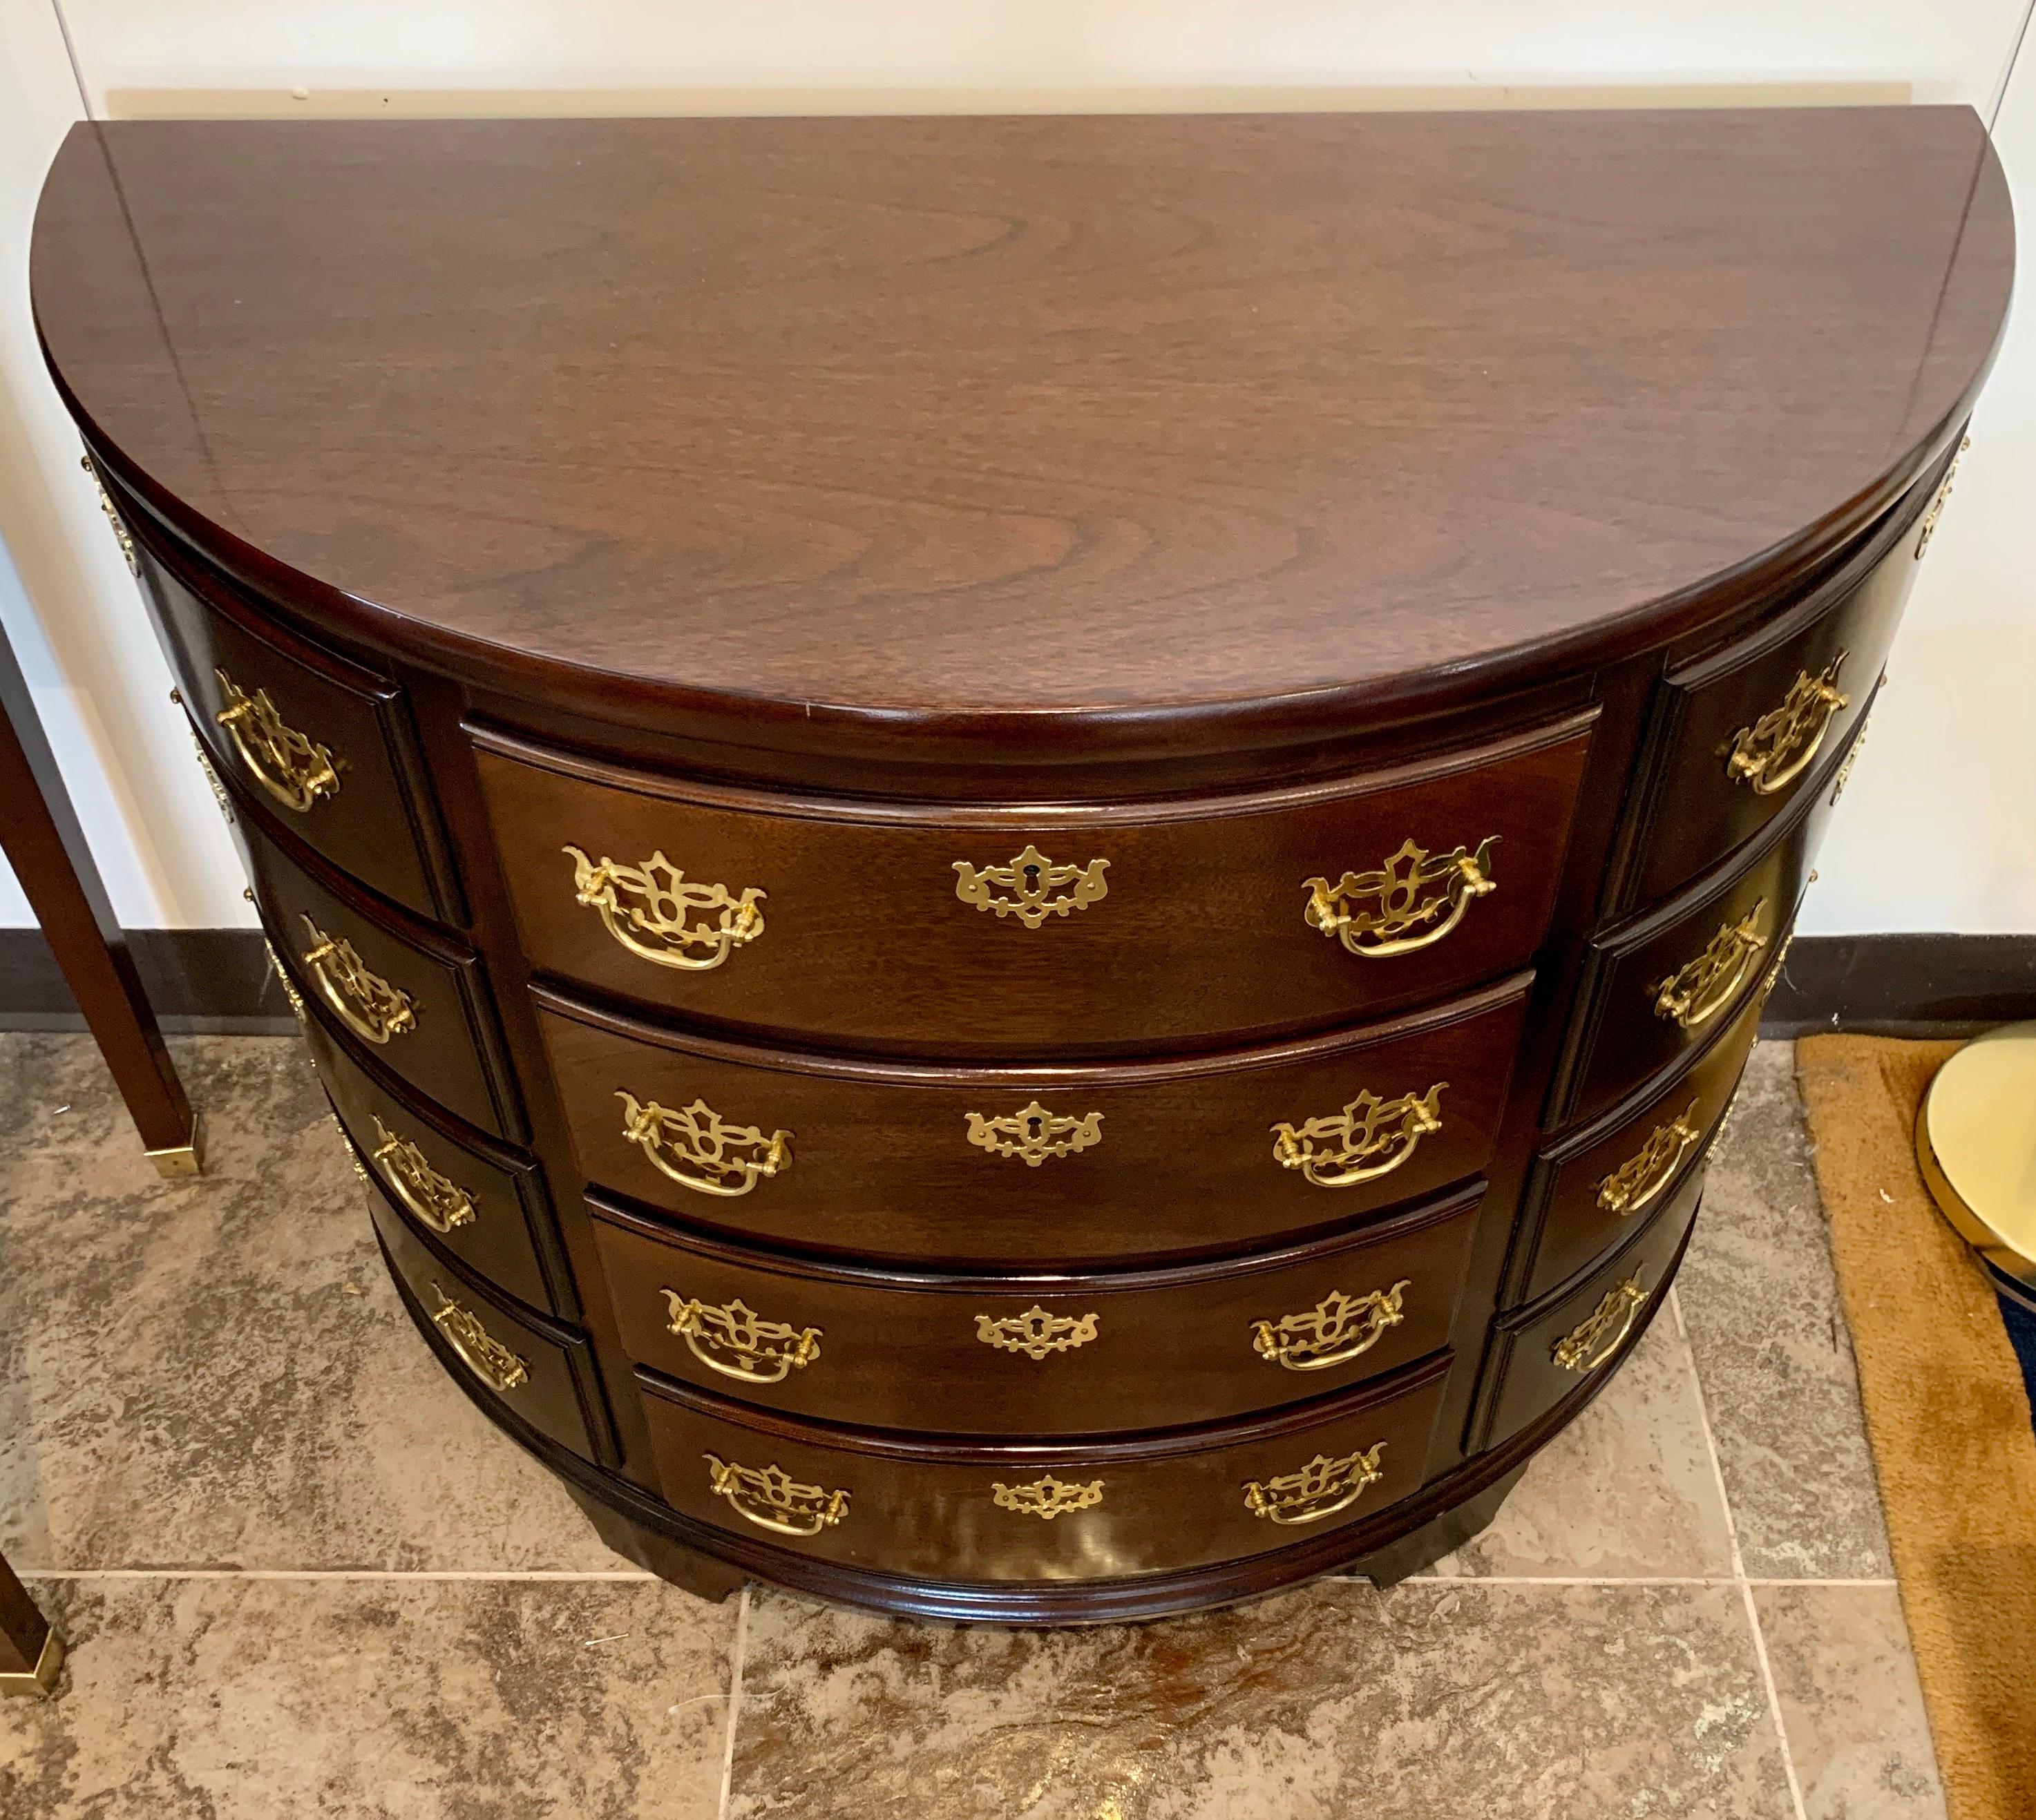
(1039, 52)
(1938, 827)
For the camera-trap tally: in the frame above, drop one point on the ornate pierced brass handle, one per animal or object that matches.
(698, 1151)
(482, 1354)
(1413, 891)
(1047, 1498)
(282, 977)
(664, 920)
(1338, 1329)
(1035, 1333)
(1696, 992)
(1640, 1180)
(1035, 1134)
(1589, 1345)
(762, 1351)
(366, 1002)
(442, 1204)
(113, 518)
(1936, 510)
(1030, 887)
(293, 769)
(1777, 749)
(1370, 1137)
(1320, 1489)
(770, 1498)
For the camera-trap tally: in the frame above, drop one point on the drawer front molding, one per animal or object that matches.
(1196, 923)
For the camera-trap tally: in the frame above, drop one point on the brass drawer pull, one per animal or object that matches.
(442, 1204)
(1929, 529)
(294, 769)
(113, 518)
(481, 1353)
(1589, 1345)
(1047, 1498)
(691, 926)
(1320, 1489)
(1035, 1333)
(366, 1002)
(1030, 887)
(1034, 1133)
(1696, 992)
(1338, 1329)
(1641, 1179)
(763, 1351)
(730, 1159)
(1777, 749)
(1412, 889)
(1343, 1151)
(772, 1499)
(282, 977)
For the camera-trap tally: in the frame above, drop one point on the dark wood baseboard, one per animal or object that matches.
(217, 980)
(1915, 985)
(200, 981)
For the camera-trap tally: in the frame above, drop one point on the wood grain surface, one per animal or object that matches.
(831, 427)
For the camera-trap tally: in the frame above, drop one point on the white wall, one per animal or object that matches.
(1938, 827)
(1935, 831)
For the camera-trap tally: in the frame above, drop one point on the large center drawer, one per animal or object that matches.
(1060, 931)
(1059, 1166)
(1066, 1353)
(1084, 1510)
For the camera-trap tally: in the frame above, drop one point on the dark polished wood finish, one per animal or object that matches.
(1483, 515)
(46, 846)
(1210, 889)
(1133, 1349)
(882, 1163)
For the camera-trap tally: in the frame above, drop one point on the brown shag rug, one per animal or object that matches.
(1947, 1415)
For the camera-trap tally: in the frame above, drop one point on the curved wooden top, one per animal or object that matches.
(1083, 423)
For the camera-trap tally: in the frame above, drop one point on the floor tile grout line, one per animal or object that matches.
(1613, 1579)
(1754, 1631)
(1774, 1700)
(1710, 1439)
(737, 1652)
(559, 1577)
(567, 1577)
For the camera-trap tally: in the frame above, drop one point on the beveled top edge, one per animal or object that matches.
(146, 293)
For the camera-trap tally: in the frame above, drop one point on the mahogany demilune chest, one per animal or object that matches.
(1029, 856)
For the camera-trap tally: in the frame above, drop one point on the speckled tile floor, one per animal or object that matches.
(299, 1573)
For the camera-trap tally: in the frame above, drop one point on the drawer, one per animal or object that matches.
(1654, 990)
(535, 1374)
(1588, 1193)
(1065, 1354)
(321, 743)
(1066, 1511)
(413, 997)
(1001, 933)
(1060, 1166)
(1544, 1353)
(1737, 736)
(484, 1205)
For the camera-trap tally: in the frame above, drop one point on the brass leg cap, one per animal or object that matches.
(38, 1685)
(183, 1158)
(1976, 1146)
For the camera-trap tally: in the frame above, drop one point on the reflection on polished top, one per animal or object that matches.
(932, 420)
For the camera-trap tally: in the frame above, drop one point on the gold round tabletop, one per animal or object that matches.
(1976, 1142)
